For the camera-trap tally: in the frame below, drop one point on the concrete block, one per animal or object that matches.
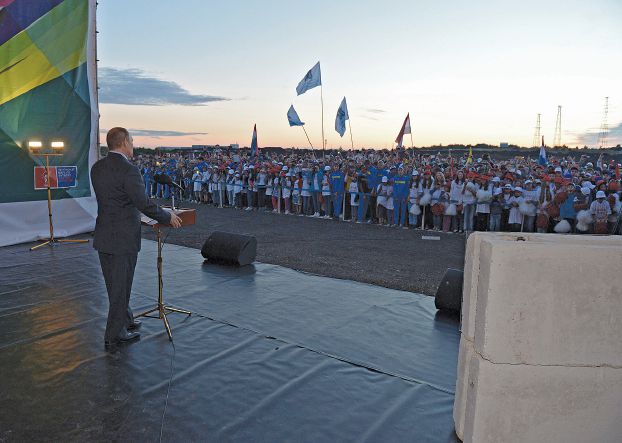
(527, 403)
(472, 262)
(549, 301)
(469, 286)
(466, 352)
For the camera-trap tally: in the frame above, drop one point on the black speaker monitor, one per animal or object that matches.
(230, 249)
(449, 293)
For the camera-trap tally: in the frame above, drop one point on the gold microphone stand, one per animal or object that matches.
(51, 240)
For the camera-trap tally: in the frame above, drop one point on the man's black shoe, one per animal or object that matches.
(124, 336)
(135, 325)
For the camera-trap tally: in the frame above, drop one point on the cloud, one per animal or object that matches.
(375, 111)
(135, 87)
(590, 137)
(157, 133)
(369, 117)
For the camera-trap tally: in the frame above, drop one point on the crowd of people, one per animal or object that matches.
(401, 188)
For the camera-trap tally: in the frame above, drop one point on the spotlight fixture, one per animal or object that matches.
(34, 146)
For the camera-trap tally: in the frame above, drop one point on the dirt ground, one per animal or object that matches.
(390, 257)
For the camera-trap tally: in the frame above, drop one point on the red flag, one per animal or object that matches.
(405, 130)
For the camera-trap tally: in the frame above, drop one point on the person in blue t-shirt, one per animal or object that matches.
(337, 185)
(400, 197)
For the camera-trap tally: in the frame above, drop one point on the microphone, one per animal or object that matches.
(164, 179)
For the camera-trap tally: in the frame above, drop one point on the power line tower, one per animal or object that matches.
(536, 135)
(604, 126)
(557, 141)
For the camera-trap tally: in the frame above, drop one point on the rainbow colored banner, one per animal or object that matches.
(47, 93)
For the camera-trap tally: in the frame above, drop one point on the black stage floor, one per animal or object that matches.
(270, 355)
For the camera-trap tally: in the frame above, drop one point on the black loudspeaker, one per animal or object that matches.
(230, 249)
(449, 293)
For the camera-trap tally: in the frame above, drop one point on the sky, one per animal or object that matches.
(204, 72)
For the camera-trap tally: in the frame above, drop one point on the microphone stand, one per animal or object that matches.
(162, 309)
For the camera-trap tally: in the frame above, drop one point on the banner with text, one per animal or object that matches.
(47, 93)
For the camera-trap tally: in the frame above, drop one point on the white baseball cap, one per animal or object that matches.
(385, 179)
(600, 194)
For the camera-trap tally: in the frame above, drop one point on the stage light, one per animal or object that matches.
(35, 145)
(58, 145)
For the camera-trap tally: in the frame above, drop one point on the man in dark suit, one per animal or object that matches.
(120, 192)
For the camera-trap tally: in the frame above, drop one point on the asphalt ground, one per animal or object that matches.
(391, 257)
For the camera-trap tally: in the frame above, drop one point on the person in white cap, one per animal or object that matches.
(385, 192)
(515, 219)
(237, 189)
(230, 188)
(600, 209)
(213, 186)
(496, 211)
(504, 198)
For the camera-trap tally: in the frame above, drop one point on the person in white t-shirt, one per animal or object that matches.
(384, 201)
(196, 184)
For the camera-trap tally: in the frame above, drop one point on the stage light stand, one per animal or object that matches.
(57, 148)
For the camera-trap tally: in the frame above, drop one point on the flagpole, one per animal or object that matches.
(322, 102)
(351, 139)
(303, 128)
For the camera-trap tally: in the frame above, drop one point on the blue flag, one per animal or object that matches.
(292, 117)
(312, 79)
(542, 157)
(342, 116)
(254, 145)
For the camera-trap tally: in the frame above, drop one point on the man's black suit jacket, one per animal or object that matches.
(120, 192)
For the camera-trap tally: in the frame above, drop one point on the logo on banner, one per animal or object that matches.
(60, 177)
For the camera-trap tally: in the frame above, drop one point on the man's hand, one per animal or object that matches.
(175, 221)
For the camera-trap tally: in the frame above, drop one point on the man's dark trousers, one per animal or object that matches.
(118, 270)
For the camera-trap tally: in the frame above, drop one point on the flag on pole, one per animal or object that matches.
(470, 157)
(254, 145)
(312, 79)
(405, 130)
(342, 116)
(542, 157)
(292, 117)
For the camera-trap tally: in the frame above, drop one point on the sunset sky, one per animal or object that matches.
(203, 72)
